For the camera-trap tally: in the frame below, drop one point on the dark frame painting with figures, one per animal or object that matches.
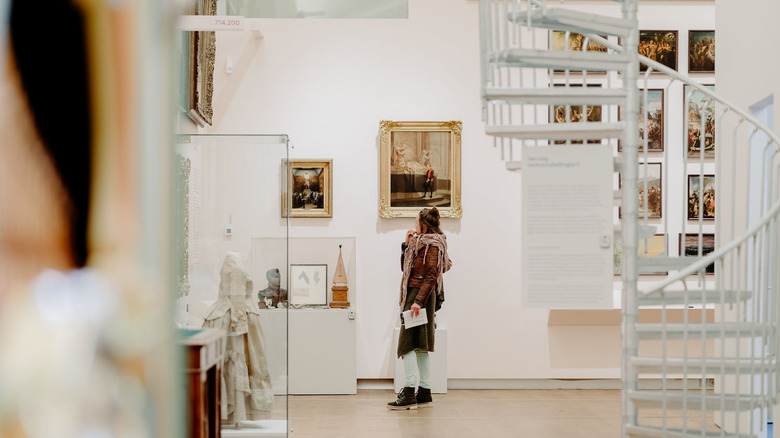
(660, 46)
(655, 121)
(576, 44)
(558, 114)
(701, 51)
(419, 168)
(689, 247)
(707, 199)
(696, 103)
(309, 190)
(653, 177)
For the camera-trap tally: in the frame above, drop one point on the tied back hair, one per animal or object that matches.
(429, 219)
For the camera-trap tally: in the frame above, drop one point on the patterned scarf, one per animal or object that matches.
(418, 243)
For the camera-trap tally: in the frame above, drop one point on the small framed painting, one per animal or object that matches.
(701, 51)
(701, 196)
(650, 190)
(690, 246)
(701, 108)
(308, 285)
(309, 188)
(576, 43)
(660, 46)
(654, 128)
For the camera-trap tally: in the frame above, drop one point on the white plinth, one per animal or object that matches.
(261, 428)
(438, 363)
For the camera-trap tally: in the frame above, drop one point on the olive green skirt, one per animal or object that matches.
(422, 336)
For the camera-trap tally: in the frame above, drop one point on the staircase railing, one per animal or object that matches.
(717, 314)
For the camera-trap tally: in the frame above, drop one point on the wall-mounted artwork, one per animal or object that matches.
(701, 51)
(309, 188)
(201, 52)
(654, 246)
(419, 168)
(660, 46)
(650, 189)
(690, 247)
(701, 196)
(308, 285)
(700, 107)
(576, 43)
(575, 114)
(654, 109)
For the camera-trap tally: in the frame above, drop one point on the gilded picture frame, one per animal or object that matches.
(418, 159)
(202, 54)
(309, 191)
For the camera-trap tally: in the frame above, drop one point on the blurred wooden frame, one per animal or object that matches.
(202, 52)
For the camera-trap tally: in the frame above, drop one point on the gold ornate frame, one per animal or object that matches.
(182, 243)
(327, 186)
(202, 52)
(386, 128)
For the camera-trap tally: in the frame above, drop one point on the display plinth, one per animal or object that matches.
(339, 297)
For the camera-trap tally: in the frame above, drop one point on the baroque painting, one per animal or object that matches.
(701, 51)
(655, 121)
(701, 198)
(309, 188)
(660, 46)
(651, 202)
(700, 106)
(689, 247)
(576, 43)
(419, 168)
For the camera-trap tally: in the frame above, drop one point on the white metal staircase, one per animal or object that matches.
(716, 326)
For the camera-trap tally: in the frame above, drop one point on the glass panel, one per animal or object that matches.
(227, 196)
(318, 8)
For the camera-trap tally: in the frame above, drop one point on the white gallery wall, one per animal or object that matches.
(327, 83)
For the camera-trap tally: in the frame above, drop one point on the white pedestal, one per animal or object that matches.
(261, 428)
(438, 363)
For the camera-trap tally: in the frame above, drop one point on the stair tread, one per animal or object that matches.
(695, 296)
(575, 21)
(696, 330)
(659, 432)
(710, 364)
(693, 399)
(562, 60)
(559, 131)
(591, 96)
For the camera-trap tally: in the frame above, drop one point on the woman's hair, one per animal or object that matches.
(429, 220)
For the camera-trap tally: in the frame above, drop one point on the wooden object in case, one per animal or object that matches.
(205, 351)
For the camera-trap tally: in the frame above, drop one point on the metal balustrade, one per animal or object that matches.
(553, 74)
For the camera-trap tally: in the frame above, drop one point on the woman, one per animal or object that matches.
(423, 260)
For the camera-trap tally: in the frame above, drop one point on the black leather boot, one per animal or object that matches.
(406, 400)
(424, 398)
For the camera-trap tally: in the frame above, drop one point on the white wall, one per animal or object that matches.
(328, 83)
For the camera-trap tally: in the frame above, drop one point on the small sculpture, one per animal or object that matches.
(340, 287)
(273, 292)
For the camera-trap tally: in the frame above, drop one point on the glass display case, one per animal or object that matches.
(227, 194)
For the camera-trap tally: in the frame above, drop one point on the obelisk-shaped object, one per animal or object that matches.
(340, 287)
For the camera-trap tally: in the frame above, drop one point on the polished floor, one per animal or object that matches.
(461, 413)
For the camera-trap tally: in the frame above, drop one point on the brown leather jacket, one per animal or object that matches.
(423, 275)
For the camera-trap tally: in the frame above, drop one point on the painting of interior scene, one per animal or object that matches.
(701, 51)
(420, 169)
(307, 188)
(660, 46)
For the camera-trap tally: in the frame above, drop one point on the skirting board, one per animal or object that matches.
(363, 384)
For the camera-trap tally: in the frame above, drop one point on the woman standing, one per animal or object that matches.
(423, 260)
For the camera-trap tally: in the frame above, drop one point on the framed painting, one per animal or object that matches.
(701, 51)
(576, 43)
(309, 190)
(701, 196)
(650, 194)
(660, 46)
(700, 107)
(575, 114)
(419, 168)
(308, 285)
(654, 246)
(654, 109)
(689, 247)
(201, 53)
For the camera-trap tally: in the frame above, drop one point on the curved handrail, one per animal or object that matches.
(773, 138)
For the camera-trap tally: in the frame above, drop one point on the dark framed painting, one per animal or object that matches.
(701, 197)
(576, 43)
(309, 190)
(419, 168)
(650, 196)
(701, 51)
(654, 108)
(689, 247)
(653, 246)
(575, 114)
(660, 46)
(700, 107)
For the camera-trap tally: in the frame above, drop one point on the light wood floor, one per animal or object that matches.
(461, 413)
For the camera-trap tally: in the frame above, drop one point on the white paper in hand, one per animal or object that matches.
(420, 319)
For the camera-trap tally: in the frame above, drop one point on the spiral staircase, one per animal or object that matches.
(540, 62)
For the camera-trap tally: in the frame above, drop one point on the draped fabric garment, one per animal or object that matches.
(247, 393)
